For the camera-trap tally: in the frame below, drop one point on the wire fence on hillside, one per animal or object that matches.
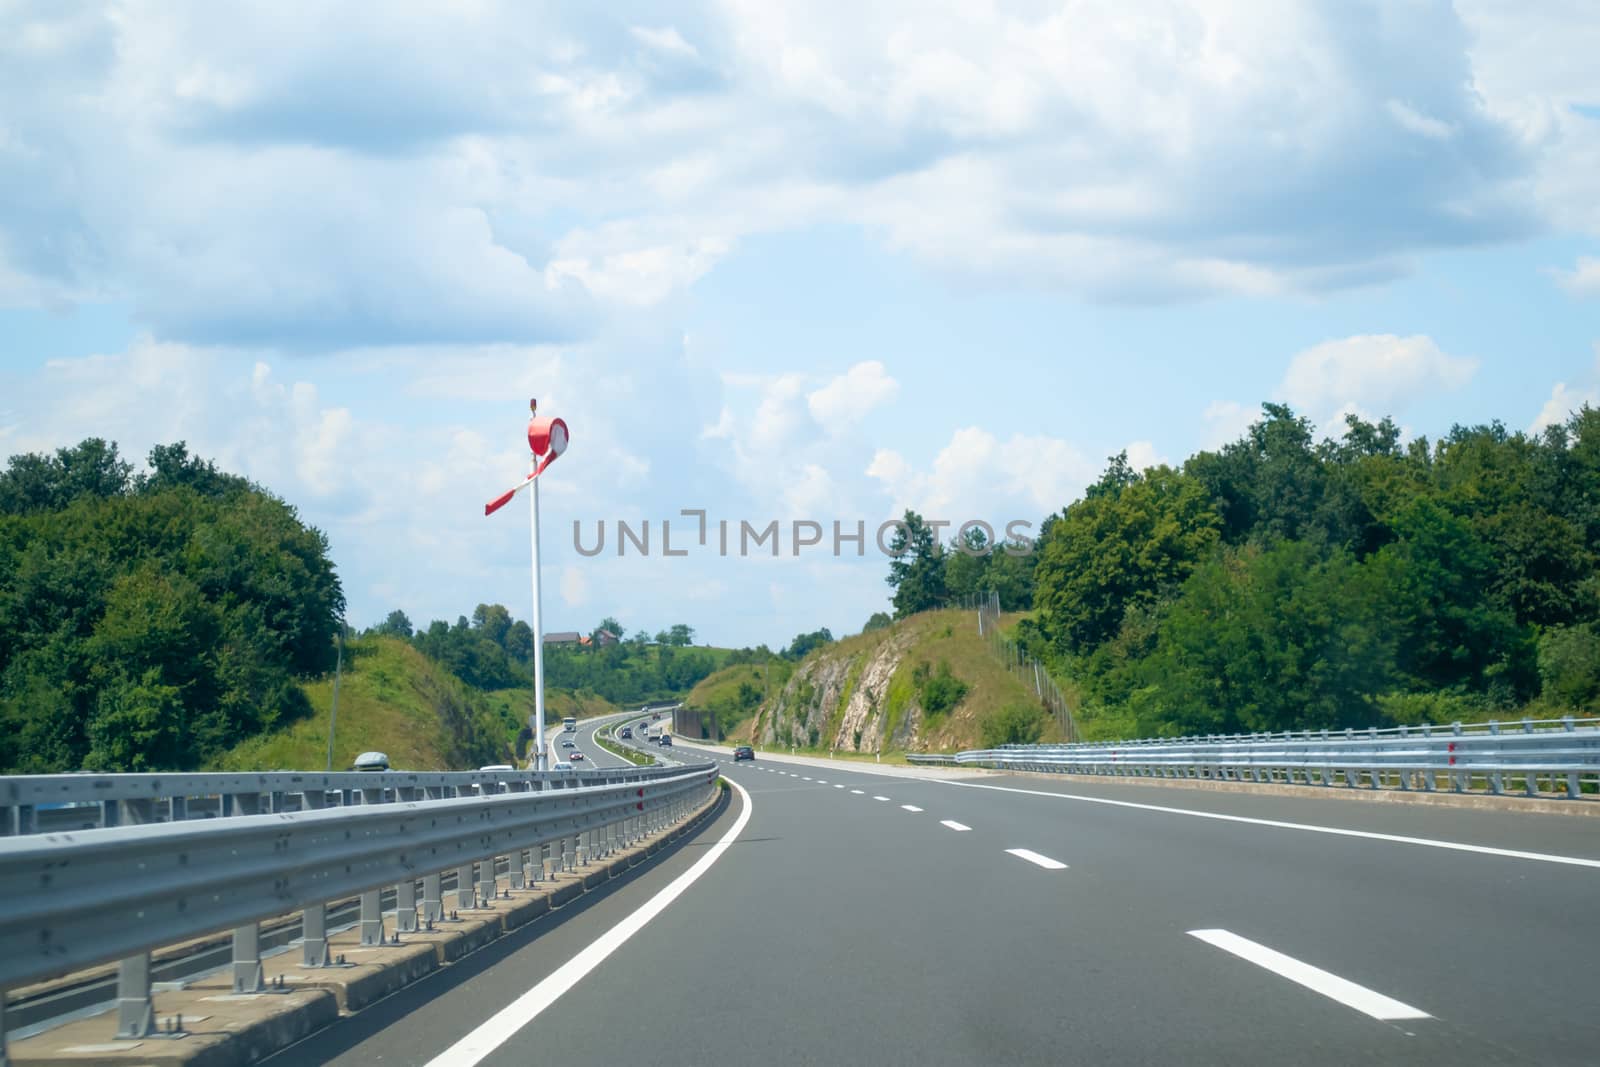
(1032, 673)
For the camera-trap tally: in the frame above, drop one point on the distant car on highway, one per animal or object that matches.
(627, 733)
(569, 744)
(743, 752)
(371, 761)
(498, 767)
(561, 765)
(577, 756)
(666, 740)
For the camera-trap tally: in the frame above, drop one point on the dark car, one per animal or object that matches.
(627, 733)
(666, 740)
(743, 752)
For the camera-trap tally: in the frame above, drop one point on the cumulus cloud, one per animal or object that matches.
(977, 475)
(1226, 421)
(503, 172)
(851, 396)
(1379, 373)
(1566, 398)
(1583, 279)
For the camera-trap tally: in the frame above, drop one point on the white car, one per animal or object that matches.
(561, 765)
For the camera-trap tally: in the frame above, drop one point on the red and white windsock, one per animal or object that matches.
(547, 438)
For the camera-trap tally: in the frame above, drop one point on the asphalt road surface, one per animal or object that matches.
(858, 917)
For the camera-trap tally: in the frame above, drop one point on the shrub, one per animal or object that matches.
(1014, 724)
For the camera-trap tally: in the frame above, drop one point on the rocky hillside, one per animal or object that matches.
(926, 683)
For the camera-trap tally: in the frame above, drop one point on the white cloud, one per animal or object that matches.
(1226, 421)
(508, 174)
(1422, 125)
(1583, 279)
(666, 39)
(1143, 455)
(1566, 398)
(1381, 373)
(851, 396)
(978, 476)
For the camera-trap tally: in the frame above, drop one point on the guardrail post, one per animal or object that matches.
(487, 885)
(432, 897)
(314, 936)
(177, 808)
(547, 860)
(247, 958)
(135, 1015)
(371, 918)
(405, 906)
(466, 893)
(516, 864)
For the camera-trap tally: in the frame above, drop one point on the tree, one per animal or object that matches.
(878, 621)
(916, 567)
(396, 625)
(35, 482)
(608, 625)
(1118, 550)
(681, 635)
(152, 629)
(804, 644)
(966, 564)
(493, 623)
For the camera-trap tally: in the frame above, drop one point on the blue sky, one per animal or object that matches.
(780, 262)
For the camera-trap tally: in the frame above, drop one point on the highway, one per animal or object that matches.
(861, 917)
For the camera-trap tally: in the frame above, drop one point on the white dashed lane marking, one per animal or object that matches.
(957, 826)
(1316, 979)
(910, 807)
(1033, 857)
(880, 798)
(857, 792)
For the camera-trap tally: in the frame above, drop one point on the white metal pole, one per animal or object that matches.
(538, 632)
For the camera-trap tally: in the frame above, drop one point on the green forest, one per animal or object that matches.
(1282, 582)
(492, 651)
(150, 622)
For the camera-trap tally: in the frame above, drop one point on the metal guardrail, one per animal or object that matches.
(1459, 758)
(45, 802)
(115, 893)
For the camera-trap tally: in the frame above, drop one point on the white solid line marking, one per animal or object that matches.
(880, 798)
(957, 826)
(857, 792)
(1033, 857)
(1315, 979)
(504, 1024)
(1337, 831)
(910, 807)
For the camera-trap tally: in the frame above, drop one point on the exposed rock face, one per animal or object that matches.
(840, 700)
